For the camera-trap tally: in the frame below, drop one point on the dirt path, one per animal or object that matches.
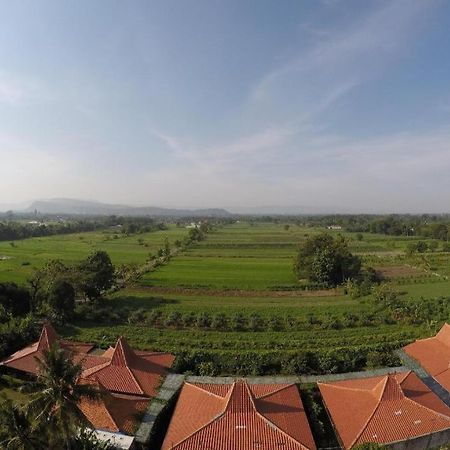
(237, 292)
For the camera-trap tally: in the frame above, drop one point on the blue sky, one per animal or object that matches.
(331, 105)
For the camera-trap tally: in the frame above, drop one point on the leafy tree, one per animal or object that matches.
(417, 247)
(195, 234)
(328, 260)
(42, 280)
(61, 298)
(166, 246)
(15, 299)
(97, 275)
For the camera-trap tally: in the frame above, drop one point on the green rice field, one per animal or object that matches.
(236, 292)
(19, 258)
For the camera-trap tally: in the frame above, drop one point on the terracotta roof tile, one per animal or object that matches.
(434, 355)
(113, 412)
(48, 337)
(127, 371)
(232, 417)
(383, 409)
(25, 359)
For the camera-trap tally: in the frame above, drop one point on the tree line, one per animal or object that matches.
(11, 230)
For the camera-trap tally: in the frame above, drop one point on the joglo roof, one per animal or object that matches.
(239, 416)
(130, 377)
(384, 410)
(25, 360)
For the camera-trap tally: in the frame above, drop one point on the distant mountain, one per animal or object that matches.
(84, 207)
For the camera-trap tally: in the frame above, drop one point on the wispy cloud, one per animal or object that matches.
(366, 175)
(345, 57)
(11, 92)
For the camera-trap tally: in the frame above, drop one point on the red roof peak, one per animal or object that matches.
(48, 337)
(123, 354)
(444, 334)
(240, 398)
(389, 389)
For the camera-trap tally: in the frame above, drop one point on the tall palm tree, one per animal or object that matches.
(55, 403)
(17, 431)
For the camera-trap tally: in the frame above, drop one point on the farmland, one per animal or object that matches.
(236, 291)
(233, 300)
(19, 258)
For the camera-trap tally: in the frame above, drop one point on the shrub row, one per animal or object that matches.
(223, 322)
(247, 363)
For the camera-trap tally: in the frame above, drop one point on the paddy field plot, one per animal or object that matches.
(18, 259)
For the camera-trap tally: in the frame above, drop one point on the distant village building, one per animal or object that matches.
(127, 378)
(433, 354)
(334, 227)
(239, 416)
(385, 410)
(193, 225)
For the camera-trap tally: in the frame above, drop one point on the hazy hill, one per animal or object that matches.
(73, 206)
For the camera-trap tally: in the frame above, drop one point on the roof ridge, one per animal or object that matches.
(427, 408)
(108, 396)
(11, 357)
(406, 374)
(442, 371)
(135, 380)
(275, 391)
(123, 353)
(336, 386)
(393, 385)
(174, 447)
(275, 426)
(254, 410)
(403, 398)
(47, 337)
(384, 380)
(204, 390)
(93, 370)
(443, 335)
(229, 395)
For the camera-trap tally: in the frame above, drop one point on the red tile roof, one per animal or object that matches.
(25, 359)
(239, 417)
(125, 371)
(113, 412)
(383, 409)
(132, 376)
(434, 355)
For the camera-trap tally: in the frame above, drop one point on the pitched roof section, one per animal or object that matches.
(239, 416)
(113, 412)
(129, 372)
(434, 355)
(25, 359)
(383, 409)
(48, 337)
